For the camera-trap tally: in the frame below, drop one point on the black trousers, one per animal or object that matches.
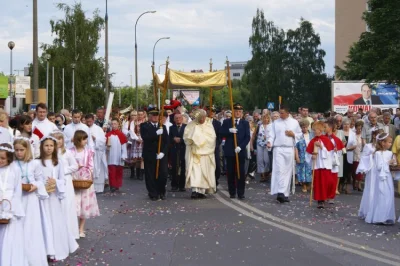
(217, 166)
(178, 179)
(235, 184)
(155, 187)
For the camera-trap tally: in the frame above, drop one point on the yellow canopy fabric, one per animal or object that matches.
(177, 79)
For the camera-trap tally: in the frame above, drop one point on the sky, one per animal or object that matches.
(198, 30)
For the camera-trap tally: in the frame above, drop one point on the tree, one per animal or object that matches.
(376, 56)
(288, 64)
(76, 41)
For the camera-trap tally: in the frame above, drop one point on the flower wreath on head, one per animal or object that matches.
(385, 135)
(49, 137)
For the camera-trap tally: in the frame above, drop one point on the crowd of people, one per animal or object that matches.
(43, 157)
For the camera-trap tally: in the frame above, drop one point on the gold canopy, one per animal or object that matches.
(177, 79)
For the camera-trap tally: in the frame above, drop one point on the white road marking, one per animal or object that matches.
(311, 234)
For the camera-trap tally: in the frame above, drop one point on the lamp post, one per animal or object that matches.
(11, 45)
(136, 68)
(159, 68)
(35, 60)
(106, 55)
(47, 57)
(73, 65)
(154, 47)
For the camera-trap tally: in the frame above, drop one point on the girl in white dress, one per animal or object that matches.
(28, 171)
(59, 242)
(381, 210)
(70, 166)
(11, 234)
(25, 127)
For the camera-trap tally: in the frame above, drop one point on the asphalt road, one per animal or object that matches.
(132, 230)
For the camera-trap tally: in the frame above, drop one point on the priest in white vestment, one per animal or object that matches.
(41, 126)
(70, 130)
(200, 138)
(100, 160)
(285, 133)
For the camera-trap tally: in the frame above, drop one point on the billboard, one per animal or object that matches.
(4, 87)
(187, 97)
(21, 85)
(355, 95)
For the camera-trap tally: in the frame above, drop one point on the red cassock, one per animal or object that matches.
(115, 172)
(323, 180)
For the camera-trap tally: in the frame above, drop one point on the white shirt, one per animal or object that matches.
(5, 136)
(277, 135)
(69, 132)
(45, 126)
(168, 125)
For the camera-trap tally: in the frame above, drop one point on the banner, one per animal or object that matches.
(187, 97)
(356, 95)
(21, 85)
(3, 87)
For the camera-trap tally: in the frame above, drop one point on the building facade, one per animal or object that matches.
(237, 69)
(348, 26)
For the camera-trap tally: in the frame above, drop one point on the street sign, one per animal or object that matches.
(32, 107)
(271, 105)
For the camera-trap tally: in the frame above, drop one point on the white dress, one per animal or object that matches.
(365, 166)
(12, 234)
(69, 203)
(34, 243)
(382, 202)
(100, 170)
(59, 242)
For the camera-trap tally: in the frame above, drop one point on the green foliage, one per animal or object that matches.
(376, 56)
(145, 93)
(76, 41)
(288, 64)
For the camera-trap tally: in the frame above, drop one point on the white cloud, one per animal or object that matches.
(199, 30)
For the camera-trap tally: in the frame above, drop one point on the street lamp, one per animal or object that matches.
(136, 68)
(11, 45)
(159, 68)
(47, 57)
(106, 55)
(154, 47)
(73, 65)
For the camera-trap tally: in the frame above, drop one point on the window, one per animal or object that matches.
(236, 74)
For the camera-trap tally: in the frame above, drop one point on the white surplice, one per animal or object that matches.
(34, 242)
(100, 159)
(200, 157)
(283, 154)
(117, 152)
(69, 132)
(70, 166)
(129, 130)
(381, 209)
(44, 126)
(59, 242)
(365, 166)
(12, 234)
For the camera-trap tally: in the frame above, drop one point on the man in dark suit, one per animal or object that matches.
(150, 132)
(242, 131)
(177, 153)
(367, 97)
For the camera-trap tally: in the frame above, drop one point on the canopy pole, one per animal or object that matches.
(233, 117)
(162, 113)
(211, 93)
(154, 85)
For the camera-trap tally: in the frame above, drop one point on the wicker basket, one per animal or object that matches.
(50, 188)
(82, 184)
(26, 187)
(394, 168)
(5, 221)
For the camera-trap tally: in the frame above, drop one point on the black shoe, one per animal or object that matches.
(162, 197)
(201, 196)
(280, 198)
(154, 198)
(112, 189)
(194, 195)
(140, 175)
(232, 196)
(182, 190)
(174, 189)
(286, 199)
(320, 204)
(241, 197)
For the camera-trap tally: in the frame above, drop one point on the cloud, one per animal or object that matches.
(199, 30)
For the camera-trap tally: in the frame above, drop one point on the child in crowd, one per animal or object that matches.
(11, 234)
(25, 127)
(320, 150)
(70, 166)
(381, 209)
(59, 242)
(28, 170)
(86, 200)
